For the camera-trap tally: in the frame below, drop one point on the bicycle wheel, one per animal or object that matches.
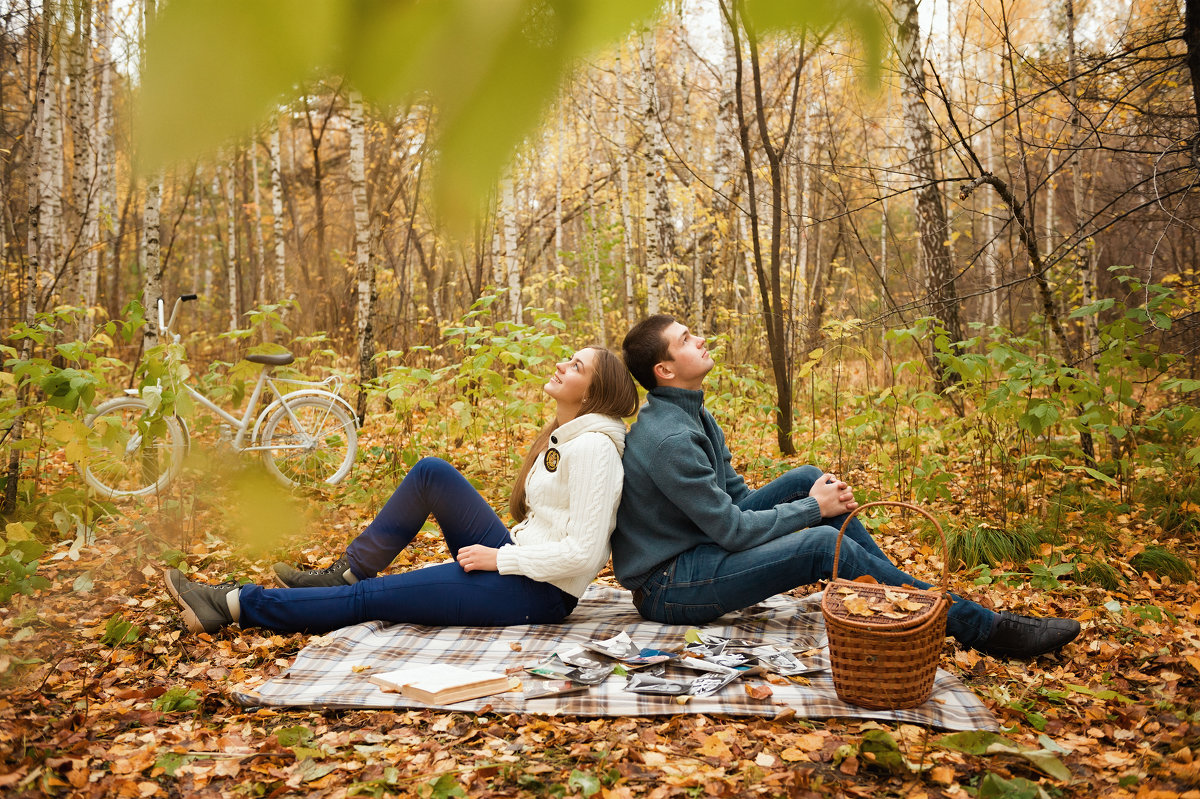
(127, 456)
(309, 440)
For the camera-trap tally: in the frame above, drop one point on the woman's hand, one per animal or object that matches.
(833, 496)
(477, 558)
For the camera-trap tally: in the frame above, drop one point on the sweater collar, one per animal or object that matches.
(591, 423)
(688, 399)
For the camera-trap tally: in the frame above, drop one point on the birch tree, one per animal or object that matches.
(933, 229)
(364, 270)
(152, 269)
(659, 232)
(34, 211)
(624, 196)
(511, 257)
(279, 286)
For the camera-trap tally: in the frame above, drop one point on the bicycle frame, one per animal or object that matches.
(242, 425)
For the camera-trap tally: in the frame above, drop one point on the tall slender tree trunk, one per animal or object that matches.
(768, 267)
(233, 285)
(279, 286)
(1083, 253)
(932, 226)
(256, 252)
(84, 173)
(510, 257)
(106, 216)
(624, 198)
(991, 258)
(152, 268)
(659, 232)
(725, 146)
(363, 268)
(33, 248)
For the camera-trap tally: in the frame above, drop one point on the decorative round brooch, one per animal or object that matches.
(551, 459)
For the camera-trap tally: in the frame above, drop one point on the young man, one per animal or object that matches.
(693, 542)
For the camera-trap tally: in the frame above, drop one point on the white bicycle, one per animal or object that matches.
(307, 436)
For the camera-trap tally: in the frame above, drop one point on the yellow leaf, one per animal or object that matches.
(15, 531)
(792, 755)
(76, 451)
(858, 606)
(63, 432)
(811, 742)
(715, 747)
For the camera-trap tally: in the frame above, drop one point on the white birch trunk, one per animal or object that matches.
(991, 258)
(932, 226)
(260, 256)
(83, 177)
(512, 263)
(152, 271)
(363, 268)
(214, 244)
(106, 215)
(280, 280)
(659, 232)
(627, 265)
(231, 248)
(1086, 259)
(49, 173)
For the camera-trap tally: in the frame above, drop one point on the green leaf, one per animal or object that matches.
(444, 787)
(993, 786)
(989, 743)
(118, 632)
(1093, 473)
(586, 784)
(170, 762)
(177, 699)
(293, 736)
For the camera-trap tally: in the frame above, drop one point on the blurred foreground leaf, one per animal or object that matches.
(216, 68)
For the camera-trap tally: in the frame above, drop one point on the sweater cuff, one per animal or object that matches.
(506, 560)
(810, 511)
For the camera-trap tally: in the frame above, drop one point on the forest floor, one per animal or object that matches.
(105, 694)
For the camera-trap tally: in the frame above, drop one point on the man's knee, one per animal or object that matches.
(821, 542)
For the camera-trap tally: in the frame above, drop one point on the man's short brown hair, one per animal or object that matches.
(645, 347)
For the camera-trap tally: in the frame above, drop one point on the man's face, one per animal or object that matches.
(690, 360)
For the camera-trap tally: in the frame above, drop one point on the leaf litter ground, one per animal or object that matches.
(105, 695)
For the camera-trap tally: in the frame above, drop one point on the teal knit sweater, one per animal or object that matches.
(681, 491)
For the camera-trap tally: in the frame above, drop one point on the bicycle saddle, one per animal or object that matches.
(272, 359)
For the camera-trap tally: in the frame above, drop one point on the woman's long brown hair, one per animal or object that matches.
(611, 393)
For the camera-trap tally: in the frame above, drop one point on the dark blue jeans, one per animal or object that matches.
(442, 595)
(706, 582)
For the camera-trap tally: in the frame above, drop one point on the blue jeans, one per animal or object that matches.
(706, 582)
(442, 595)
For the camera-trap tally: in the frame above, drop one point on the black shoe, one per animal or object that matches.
(1026, 637)
(205, 607)
(337, 574)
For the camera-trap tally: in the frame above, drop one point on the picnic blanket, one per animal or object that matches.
(332, 671)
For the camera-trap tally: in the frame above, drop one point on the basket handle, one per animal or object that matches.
(945, 547)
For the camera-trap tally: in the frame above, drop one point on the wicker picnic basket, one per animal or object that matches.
(884, 640)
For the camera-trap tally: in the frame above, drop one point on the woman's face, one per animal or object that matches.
(571, 379)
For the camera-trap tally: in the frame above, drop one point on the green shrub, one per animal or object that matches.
(1162, 562)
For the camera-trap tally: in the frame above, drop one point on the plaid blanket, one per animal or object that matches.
(331, 672)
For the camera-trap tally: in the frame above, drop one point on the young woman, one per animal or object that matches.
(564, 500)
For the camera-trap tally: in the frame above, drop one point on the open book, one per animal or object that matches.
(441, 684)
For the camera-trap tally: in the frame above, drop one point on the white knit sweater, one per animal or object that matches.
(573, 509)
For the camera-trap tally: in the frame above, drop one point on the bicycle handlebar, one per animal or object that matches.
(166, 326)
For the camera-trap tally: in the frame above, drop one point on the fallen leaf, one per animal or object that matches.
(758, 690)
